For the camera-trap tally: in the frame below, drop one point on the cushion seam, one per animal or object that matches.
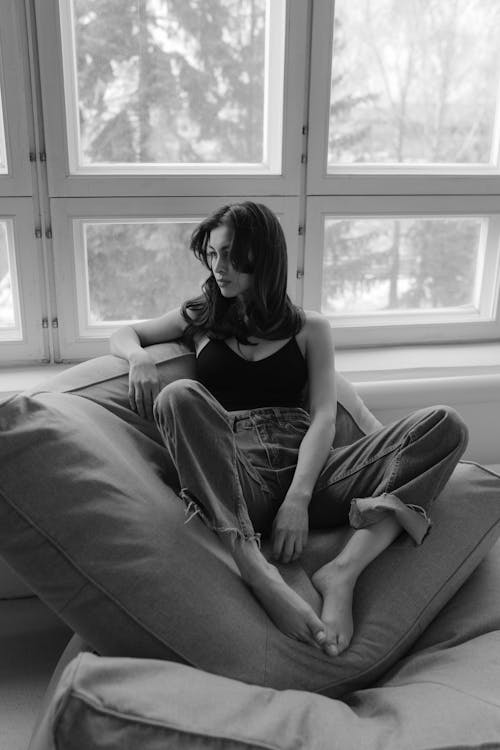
(61, 704)
(104, 380)
(380, 662)
(450, 687)
(98, 706)
(372, 668)
(89, 580)
(486, 469)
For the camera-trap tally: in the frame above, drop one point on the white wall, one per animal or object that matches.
(476, 398)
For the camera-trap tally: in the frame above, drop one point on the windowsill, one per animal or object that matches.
(367, 367)
(404, 377)
(419, 362)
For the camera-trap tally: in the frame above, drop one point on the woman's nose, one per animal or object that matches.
(220, 265)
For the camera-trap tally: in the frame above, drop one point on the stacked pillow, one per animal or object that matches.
(90, 519)
(104, 380)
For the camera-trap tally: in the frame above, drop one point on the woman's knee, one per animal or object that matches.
(451, 424)
(175, 395)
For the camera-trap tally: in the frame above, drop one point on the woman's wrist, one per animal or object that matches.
(300, 495)
(138, 357)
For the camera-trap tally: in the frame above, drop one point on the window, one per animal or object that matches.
(402, 222)
(181, 87)
(371, 128)
(406, 269)
(415, 83)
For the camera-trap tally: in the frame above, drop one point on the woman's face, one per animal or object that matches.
(231, 282)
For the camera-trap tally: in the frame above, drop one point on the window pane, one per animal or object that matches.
(415, 82)
(387, 265)
(138, 269)
(170, 83)
(9, 295)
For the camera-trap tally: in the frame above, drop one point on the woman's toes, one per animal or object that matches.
(320, 637)
(331, 649)
(335, 645)
(343, 643)
(317, 630)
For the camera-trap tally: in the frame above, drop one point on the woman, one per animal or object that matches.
(251, 459)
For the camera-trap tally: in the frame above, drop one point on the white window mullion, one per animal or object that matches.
(489, 297)
(15, 174)
(312, 280)
(26, 339)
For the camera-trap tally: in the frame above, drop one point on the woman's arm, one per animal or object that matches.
(290, 528)
(129, 342)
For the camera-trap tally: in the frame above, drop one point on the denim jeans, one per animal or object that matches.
(235, 468)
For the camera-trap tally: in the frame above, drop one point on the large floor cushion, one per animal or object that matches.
(448, 699)
(104, 380)
(398, 712)
(88, 519)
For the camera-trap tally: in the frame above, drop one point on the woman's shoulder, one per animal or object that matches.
(166, 327)
(315, 324)
(316, 331)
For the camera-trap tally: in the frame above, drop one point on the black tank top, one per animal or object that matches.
(238, 384)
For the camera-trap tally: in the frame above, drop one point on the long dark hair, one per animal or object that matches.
(258, 247)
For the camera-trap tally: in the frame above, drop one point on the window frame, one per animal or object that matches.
(363, 191)
(14, 84)
(303, 192)
(33, 344)
(64, 184)
(374, 179)
(400, 327)
(273, 110)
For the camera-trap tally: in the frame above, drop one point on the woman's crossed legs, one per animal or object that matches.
(234, 473)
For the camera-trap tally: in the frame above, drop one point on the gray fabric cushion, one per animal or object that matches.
(104, 380)
(11, 585)
(435, 702)
(88, 519)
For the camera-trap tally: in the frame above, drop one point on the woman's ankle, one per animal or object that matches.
(250, 561)
(340, 568)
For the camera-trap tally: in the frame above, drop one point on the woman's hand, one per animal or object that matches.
(290, 529)
(144, 384)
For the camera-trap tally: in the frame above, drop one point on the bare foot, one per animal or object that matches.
(289, 612)
(336, 586)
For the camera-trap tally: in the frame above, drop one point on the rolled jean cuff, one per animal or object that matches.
(365, 511)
